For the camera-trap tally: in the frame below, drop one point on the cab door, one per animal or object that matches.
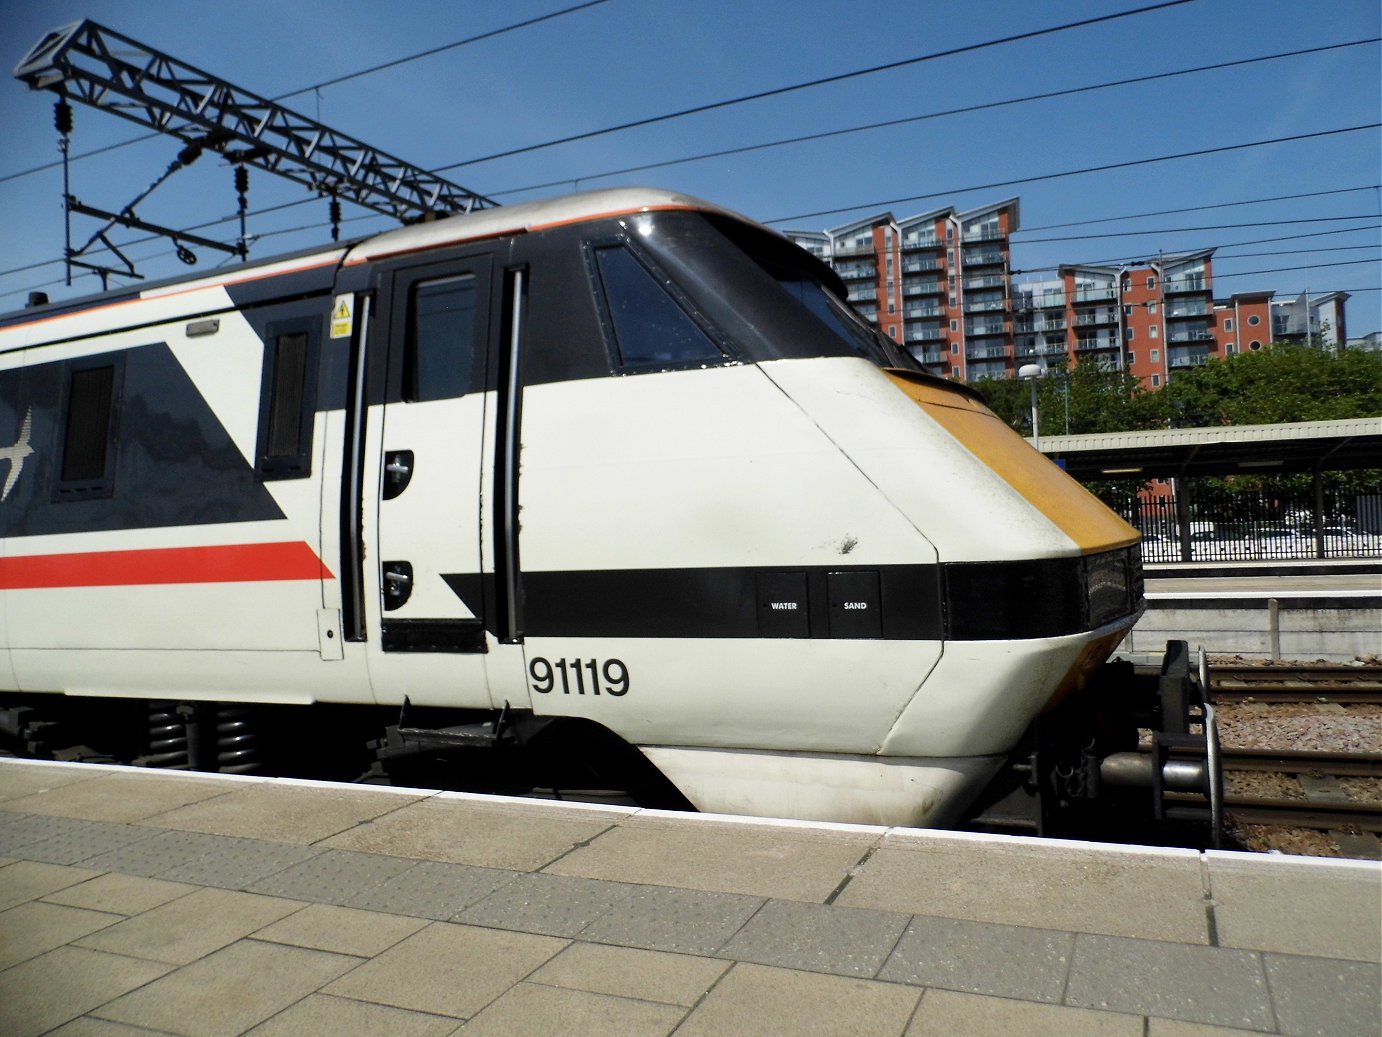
(430, 444)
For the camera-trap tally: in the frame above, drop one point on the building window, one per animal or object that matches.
(1129, 333)
(1254, 320)
(1156, 381)
(1132, 358)
(1228, 323)
(954, 324)
(1151, 281)
(892, 306)
(1127, 311)
(1254, 344)
(1151, 306)
(1153, 331)
(950, 233)
(892, 330)
(1156, 356)
(954, 349)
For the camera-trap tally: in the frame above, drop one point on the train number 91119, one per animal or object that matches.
(579, 676)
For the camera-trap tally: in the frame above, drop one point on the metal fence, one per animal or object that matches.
(1205, 524)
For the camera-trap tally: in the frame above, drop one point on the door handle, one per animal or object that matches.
(398, 472)
(398, 584)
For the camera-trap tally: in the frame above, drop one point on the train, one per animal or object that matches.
(619, 474)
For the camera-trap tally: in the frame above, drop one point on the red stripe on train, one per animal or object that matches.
(224, 563)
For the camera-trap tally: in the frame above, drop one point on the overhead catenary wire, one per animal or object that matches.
(892, 123)
(812, 83)
(1222, 149)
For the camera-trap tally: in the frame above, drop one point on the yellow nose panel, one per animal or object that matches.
(1074, 510)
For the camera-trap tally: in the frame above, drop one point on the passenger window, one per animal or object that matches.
(650, 329)
(289, 400)
(441, 360)
(87, 454)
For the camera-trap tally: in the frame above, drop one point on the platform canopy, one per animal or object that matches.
(1346, 444)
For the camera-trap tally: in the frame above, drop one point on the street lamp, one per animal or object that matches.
(1032, 372)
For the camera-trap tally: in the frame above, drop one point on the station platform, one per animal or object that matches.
(137, 902)
(1266, 610)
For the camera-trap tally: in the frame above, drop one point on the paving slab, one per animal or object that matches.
(1322, 996)
(56, 987)
(982, 958)
(32, 780)
(31, 929)
(846, 941)
(228, 991)
(331, 877)
(190, 927)
(1215, 985)
(120, 894)
(553, 905)
(342, 930)
(660, 918)
(122, 797)
(786, 862)
(72, 841)
(674, 979)
(433, 889)
(538, 1011)
(946, 1013)
(447, 969)
(282, 812)
(1326, 908)
(87, 1026)
(23, 881)
(195, 857)
(24, 833)
(518, 836)
(1176, 1028)
(1156, 894)
(321, 1015)
(757, 1001)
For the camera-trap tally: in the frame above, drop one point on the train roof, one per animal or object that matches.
(501, 221)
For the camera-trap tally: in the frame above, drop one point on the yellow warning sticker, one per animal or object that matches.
(343, 316)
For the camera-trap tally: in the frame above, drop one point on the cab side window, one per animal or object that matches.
(647, 326)
(289, 399)
(88, 444)
(441, 360)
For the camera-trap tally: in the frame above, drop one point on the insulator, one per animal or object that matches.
(335, 219)
(62, 117)
(242, 180)
(190, 154)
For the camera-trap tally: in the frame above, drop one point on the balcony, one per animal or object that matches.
(920, 241)
(984, 257)
(863, 293)
(1095, 342)
(987, 328)
(986, 306)
(922, 288)
(982, 234)
(842, 250)
(986, 281)
(1051, 301)
(931, 356)
(857, 272)
(1197, 283)
(989, 370)
(986, 353)
(918, 309)
(919, 264)
(1188, 308)
(1188, 357)
(1095, 294)
(1191, 335)
(924, 334)
(1084, 320)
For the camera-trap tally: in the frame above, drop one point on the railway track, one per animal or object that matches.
(1345, 685)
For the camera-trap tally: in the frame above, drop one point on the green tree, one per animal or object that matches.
(1081, 399)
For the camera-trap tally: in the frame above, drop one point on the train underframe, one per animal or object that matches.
(1131, 757)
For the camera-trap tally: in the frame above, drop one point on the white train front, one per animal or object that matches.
(622, 457)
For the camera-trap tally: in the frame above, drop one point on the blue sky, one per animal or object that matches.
(629, 59)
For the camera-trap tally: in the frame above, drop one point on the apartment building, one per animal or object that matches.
(941, 283)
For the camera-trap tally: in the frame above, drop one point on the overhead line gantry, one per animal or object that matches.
(93, 65)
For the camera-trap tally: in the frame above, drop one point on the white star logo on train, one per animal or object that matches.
(16, 453)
